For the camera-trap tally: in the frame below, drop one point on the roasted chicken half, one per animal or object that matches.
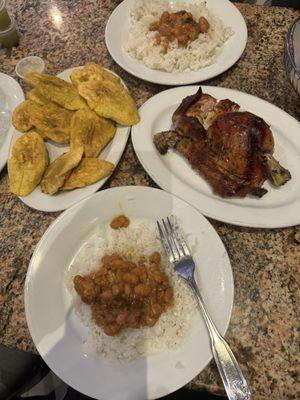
(231, 150)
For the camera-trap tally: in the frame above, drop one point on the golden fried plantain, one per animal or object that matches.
(56, 90)
(92, 72)
(95, 69)
(56, 136)
(34, 95)
(21, 117)
(27, 164)
(91, 132)
(110, 100)
(34, 78)
(53, 122)
(59, 170)
(89, 171)
(44, 137)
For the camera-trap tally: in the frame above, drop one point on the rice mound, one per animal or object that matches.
(198, 54)
(140, 238)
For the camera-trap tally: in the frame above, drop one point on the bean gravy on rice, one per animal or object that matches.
(123, 294)
(127, 293)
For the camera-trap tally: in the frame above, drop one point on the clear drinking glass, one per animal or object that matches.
(9, 37)
(4, 17)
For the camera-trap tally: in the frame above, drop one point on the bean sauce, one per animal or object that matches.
(123, 294)
(121, 221)
(179, 26)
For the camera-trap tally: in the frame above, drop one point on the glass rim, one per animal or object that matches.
(12, 26)
(2, 4)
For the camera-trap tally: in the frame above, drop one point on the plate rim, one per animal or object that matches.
(5, 148)
(78, 206)
(102, 181)
(156, 178)
(170, 81)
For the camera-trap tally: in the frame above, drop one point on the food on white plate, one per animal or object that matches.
(35, 96)
(89, 171)
(124, 294)
(110, 100)
(27, 164)
(59, 170)
(127, 293)
(90, 72)
(49, 120)
(175, 36)
(21, 115)
(120, 221)
(178, 26)
(91, 131)
(53, 122)
(56, 112)
(231, 149)
(56, 90)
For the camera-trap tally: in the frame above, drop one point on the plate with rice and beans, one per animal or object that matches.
(176, 42)
(104, 306)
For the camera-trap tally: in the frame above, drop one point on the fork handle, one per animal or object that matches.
(234, 382)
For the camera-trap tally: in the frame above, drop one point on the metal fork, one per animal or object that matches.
(180, 256)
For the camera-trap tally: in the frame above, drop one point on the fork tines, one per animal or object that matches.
(172, 239)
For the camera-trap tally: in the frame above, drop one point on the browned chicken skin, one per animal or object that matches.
(231, 150)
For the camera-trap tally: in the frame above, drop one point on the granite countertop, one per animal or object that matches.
(262, 331)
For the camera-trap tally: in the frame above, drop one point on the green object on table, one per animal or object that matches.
(4, 17)
(10, 36)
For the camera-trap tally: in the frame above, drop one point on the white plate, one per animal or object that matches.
(278, 208)
(58, 334)
(65, 199)
(14, 95)
(116, 35)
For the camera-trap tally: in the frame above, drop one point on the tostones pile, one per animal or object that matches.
(83, 114)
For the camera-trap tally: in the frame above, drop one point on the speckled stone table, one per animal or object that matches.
(265, 263)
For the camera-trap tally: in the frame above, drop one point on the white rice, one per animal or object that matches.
(140, 238)
(198, 54)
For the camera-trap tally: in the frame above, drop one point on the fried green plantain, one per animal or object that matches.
(89, 171)
(21, 117)
(56, 90)
(34, 95)
(53, 122)
(59, 170)
(27, 164)
(110, 100)
(91, 132)
(92, 72)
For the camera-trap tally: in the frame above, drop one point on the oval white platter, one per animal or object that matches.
(65, 199)
(117, 32)
(12, 96)
(58, 333)
(278, 208)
